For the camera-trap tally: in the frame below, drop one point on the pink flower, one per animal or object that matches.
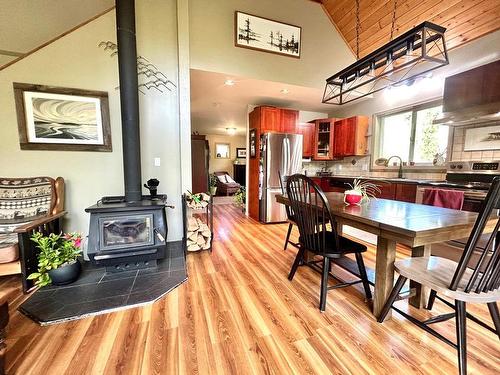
(77, 242)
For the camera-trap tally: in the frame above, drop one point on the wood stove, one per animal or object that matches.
(127, 235)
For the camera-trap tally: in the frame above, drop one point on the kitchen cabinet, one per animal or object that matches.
(387, 189)
(350, 136)
(278, 120)
(307, 131)
(323, 139)
(406, 192)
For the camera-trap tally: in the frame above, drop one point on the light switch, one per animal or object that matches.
(157, 162)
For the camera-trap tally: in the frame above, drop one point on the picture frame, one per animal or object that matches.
(267, 35)
(62, 119)
(482, 138)
(252, 142)
(241, 152)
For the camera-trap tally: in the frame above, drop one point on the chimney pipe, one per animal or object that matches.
(129, 98)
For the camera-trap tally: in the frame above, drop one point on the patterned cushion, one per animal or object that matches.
(9, 250)
(23, 200)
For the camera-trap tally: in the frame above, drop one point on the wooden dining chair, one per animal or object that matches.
(289, 214)
(462, 282)
(318, 234)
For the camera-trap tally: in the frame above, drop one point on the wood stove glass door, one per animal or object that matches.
(121, 232)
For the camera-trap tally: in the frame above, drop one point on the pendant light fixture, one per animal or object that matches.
(401, 61)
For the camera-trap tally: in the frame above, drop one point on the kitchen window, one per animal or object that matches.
(410, 134)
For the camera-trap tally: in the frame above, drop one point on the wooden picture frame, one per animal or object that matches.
(252, 142)
(267, 35)
(482, 138)
(241, 152)
(62, 119)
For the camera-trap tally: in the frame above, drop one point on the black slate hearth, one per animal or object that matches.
(98, 292)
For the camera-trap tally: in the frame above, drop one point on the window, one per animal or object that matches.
(411, 135)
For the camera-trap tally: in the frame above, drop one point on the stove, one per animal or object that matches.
(472, 177)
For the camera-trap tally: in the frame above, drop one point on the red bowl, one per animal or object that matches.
(352, 198)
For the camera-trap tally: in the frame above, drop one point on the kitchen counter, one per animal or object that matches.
(382, 179)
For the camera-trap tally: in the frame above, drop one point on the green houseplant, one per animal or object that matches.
(240, 197)
(213, 184)
(58, 258)
(360, 191)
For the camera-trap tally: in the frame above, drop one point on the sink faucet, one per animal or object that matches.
(400, 172)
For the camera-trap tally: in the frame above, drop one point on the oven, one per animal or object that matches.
(472, 198)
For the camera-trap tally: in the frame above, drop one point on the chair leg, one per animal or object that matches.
(461, 319)
(392, 297)
(495, 316)
(324, 284)
(290, 227)
(296, 263)
(432, 299)
(364, 277)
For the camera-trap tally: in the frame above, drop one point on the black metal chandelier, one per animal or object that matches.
(401, 61)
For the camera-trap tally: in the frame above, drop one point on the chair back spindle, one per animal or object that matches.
(312, 214)
(484, 276)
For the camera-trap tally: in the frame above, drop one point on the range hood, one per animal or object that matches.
(472, 97)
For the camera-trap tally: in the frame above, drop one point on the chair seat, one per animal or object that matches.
(9, 250)
(436, 273)
(346, 246)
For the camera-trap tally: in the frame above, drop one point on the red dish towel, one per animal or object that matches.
(444, 198)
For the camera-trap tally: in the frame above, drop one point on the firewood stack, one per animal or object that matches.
(198, 235)
(197, 201)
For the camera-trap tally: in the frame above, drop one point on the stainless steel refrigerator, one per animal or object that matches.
(283, 153)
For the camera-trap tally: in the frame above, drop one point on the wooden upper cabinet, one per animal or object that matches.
(350, 136)
(323, 139)
(307, 131)
(278, 120)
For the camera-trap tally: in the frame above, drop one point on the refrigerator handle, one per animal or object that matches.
(287, 168)
(283, 157)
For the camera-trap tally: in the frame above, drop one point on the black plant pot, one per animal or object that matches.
(65, 274)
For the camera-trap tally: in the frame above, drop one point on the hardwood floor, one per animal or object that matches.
(239, 314)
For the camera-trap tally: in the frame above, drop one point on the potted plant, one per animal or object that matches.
(360, 191)
(213, 184)
(240, 197)
(58, 262)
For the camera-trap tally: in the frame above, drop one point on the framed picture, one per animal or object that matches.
(485, 138)
(267, 35)
(56, 118)
(241, 152)
(253, 142)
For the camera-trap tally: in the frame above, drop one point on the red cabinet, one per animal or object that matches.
(406, 192)
(350, 136)
(277, 120)
(307, 131)
(323, 139)
(289, 119)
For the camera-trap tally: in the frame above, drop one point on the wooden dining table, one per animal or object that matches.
(415, 225)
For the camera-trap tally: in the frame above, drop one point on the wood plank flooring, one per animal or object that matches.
(238, 314)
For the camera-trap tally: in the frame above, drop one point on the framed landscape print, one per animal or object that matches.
(56, 118)
(484, 138)
(267, 35)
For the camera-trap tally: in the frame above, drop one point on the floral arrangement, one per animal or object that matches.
(56, 250)
(360, 191)
(240, 197)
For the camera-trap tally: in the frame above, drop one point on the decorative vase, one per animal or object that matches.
(352, 197)
(66, 274)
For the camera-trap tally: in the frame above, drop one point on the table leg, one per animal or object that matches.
(384, 273)
(419, 300)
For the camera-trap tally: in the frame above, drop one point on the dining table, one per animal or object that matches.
(395, 222)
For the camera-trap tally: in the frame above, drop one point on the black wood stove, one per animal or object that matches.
(130, 231)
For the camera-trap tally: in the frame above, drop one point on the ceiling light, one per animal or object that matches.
(229, 82)
(411, 55)
(231, 131)
(285, 91)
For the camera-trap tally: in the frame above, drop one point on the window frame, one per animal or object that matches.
(378, 133)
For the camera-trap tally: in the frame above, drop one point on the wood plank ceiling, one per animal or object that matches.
(465, 20)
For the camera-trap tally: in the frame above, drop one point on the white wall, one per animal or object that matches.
(212, 41)
(76, 61)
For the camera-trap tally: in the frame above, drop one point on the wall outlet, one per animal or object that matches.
(157, 162)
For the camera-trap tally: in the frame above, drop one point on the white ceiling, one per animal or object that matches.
(216, 106)
(27, 24)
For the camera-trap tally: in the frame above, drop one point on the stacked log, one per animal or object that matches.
(198, 235)
(197, 201)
